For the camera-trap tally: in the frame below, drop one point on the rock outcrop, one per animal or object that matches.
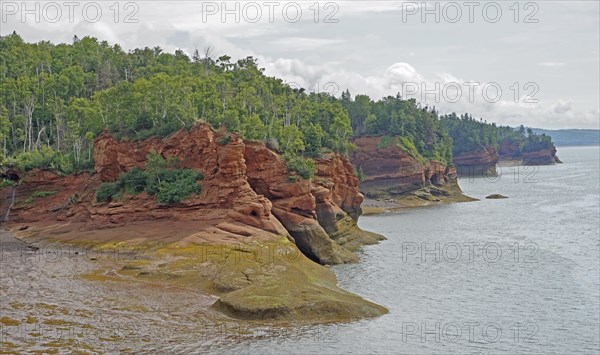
(509, 150)
(541, 157)
(392, 173)
(248, 200)
(293, 204)
(339, 203)
(495, 197)
(478, 163)
(247, 181)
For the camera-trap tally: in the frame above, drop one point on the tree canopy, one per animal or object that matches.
(469, 134)
(61, 96)
(419, 126)
(56, 98)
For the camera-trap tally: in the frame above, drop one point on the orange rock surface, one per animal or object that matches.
(390, 168)
(247, 193)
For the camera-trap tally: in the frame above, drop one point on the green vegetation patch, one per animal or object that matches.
(6, 183)
(159, 178)
(471, 135)
(385, 142)
(49, 159)
(304, 167)
(408, 146)
(41, 194)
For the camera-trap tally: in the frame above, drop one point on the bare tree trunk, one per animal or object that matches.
(29, 108)
(37, 141)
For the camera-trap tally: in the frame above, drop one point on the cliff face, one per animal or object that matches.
(246, 191)
(314, 212)
(245, 238)
(226, 208)
(541, 157)
(389, 171)
(293, 204)
(509, 150)
(390, 163)
(482, 162)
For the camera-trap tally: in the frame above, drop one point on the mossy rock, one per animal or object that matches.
(301, 290)
(259, 280)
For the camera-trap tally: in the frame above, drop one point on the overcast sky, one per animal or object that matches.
(544, 55)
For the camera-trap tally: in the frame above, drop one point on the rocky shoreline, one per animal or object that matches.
(485, 161)
(257, 236)
(394, 179)
(249, 205)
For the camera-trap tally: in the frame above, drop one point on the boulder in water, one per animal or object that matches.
(495, 196)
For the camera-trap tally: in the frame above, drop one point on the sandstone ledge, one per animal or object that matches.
(394, 177)
(263, 278)
(247, 201)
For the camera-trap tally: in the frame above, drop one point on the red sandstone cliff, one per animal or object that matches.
(246, 193)
(509, 150)
(480, 162)
(389, 170)
(316, 212)
(541, 157)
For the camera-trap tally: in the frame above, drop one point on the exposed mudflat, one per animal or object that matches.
(119, 297)
(60, 298)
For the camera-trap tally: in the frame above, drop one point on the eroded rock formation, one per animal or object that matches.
(248, 202)
(509, 150)
(482, 162)
(391, 172)
(541, 157)
(248, 183)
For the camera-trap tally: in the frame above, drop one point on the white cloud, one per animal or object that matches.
(365, 59)
(303, 43)
(563, 107)
(396, 78)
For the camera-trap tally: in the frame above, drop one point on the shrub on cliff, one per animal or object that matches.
(5, 183)
(134, 181)
(107, 191)
(43, 158)
(178, 185)
(49, 159)
(360, 174)
(159, 179)
(304, 167)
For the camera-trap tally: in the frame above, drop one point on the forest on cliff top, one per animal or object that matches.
(55, 99)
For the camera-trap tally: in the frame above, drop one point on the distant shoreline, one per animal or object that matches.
(577, 146)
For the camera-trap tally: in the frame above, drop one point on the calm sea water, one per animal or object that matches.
(495, 276)
(515, 275)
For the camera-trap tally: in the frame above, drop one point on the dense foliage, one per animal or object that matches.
(535, 142)
(469, 135)
(61, 96)
(417, 128)
(55, 99)
(160, 178)
(302, 166)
